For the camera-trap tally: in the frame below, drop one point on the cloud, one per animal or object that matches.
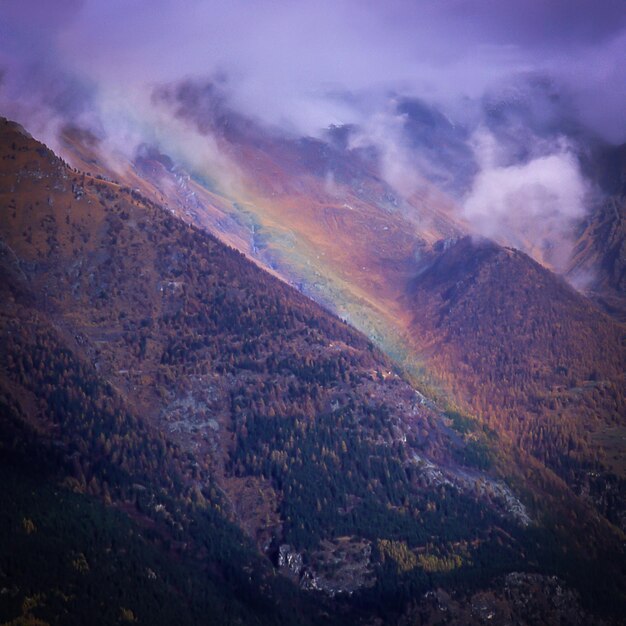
(384, 132)
(285, 60)
(531, 205)
(517, 76)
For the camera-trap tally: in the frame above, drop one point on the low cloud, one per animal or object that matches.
(384, 132)
(532, 205)
(287, 61)
(301, 68)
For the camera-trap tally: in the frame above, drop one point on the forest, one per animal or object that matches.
(165, 383)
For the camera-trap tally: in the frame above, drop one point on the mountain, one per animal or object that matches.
(534, 358)
(598, 263)
(366, 258)
(600, 256)
(199, 420)
(316, 211)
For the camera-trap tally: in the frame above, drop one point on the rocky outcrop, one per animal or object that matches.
(341, 566)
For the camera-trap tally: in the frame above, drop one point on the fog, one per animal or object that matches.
(284, 59)
(301, 67)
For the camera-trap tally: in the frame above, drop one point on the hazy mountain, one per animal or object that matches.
(599, 258)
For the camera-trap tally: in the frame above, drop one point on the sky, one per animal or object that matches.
(303, 66)
(292, 63)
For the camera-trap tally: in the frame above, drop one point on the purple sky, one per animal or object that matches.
(557, 65)
(287, 61)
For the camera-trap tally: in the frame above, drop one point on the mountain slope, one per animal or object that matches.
(200, 396)
(315, 211)
(535, 359)
(600, 257)
(67, 557)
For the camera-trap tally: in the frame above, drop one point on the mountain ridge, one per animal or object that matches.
(255, 387)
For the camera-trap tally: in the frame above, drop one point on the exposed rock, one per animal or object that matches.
(341, 566)
(289, 561)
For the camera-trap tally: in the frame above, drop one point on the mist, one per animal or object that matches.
(518, 82)
(285, 60)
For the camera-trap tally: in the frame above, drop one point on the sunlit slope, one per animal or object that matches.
(312, 211)
(539, 362)
(318, 214)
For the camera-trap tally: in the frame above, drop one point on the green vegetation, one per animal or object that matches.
(69, 559)
(461, 423)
